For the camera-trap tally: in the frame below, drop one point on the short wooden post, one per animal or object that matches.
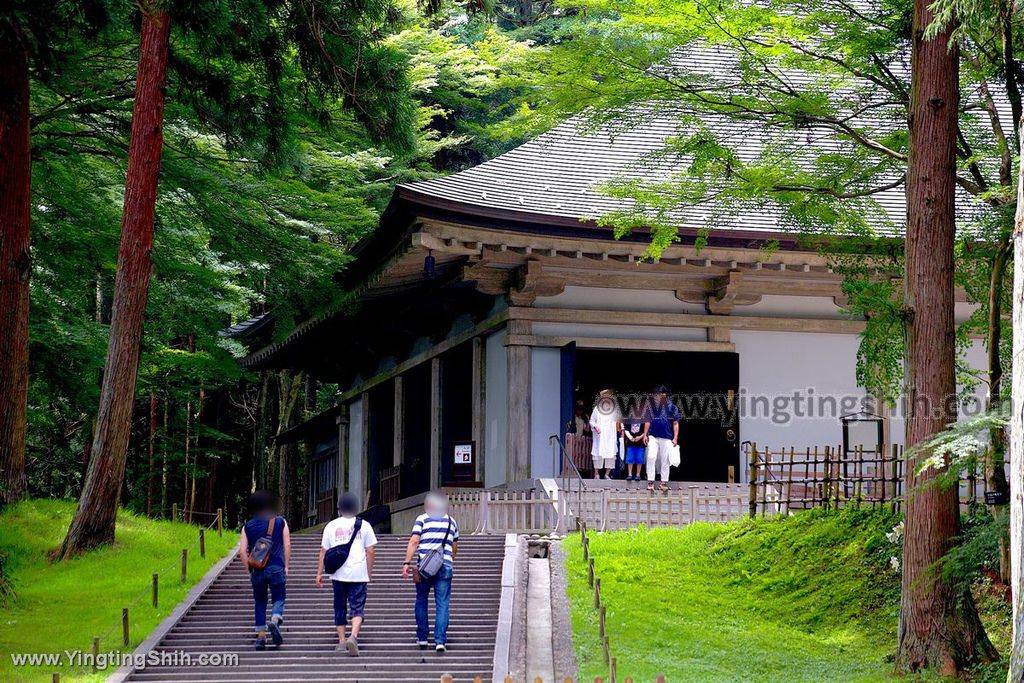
(56, 677)
(611, 671)
(202, 543)
(184, 564)
(752, 502)
(590, 573)
(95, 653)
(597, 593)
(605, 651)
(601, 622)
(220, 521)
(586, 548)
(156, 590)
(174, 512)
(124, 626)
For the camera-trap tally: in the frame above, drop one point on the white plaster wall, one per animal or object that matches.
(609, 299)
(495, 409)
(780, 366)
(356, 465)
(545, 408)
(778, 305)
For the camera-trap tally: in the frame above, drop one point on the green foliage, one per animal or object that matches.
(62, 606)
(807, 598)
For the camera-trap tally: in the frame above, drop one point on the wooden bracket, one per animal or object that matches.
(726, 294)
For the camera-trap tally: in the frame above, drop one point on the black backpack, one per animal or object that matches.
(338, 555)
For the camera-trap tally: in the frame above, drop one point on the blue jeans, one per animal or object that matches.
(442, 585)
(262, 579)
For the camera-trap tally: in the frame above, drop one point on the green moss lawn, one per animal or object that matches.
(61, 606)
(801, 600)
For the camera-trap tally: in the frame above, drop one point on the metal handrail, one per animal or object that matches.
(566, 458)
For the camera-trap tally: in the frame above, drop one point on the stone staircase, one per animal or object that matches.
(220, 621)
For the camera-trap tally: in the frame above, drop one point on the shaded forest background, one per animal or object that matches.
(267, 179)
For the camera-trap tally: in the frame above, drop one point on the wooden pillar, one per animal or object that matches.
(364, 452)
(398, 447)
(518, 404)
(479, 420)
(435, 421)
(341, 470)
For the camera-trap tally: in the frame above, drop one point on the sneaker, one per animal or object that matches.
(275, 633)
(352, 646)
(440, 649)
(423, 644)
(340, 647)
(261, 641)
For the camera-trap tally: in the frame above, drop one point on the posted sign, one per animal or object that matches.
(463, 454)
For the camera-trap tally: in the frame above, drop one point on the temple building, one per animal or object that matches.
(491, 302)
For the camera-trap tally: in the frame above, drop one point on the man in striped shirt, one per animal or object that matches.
(433, 530)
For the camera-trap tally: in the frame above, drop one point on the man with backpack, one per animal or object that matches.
(265, 550)
(347, 554)
(434, 543)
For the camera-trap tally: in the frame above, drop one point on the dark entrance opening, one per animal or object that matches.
(457, 402)
(381, 437)
(703, 385)
(416, 412)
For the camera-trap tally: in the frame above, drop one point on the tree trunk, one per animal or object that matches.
(96, 516)
(15, 262)
(151, 471)
(995, 472)
(939, 626)
(164, 445)
(1016, 674)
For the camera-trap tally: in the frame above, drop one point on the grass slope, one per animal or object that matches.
(61, 606)
(810, 598)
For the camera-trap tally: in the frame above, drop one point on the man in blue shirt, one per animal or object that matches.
(661, 434)
(274, 574)
(434, 530)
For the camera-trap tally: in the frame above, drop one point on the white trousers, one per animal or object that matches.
(657, 457)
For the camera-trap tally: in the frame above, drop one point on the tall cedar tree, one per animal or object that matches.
(939, 625)
(95, 517)
(1016, 674)
(15, 261)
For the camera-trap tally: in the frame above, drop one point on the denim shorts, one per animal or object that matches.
(636, 455)
(349, 600)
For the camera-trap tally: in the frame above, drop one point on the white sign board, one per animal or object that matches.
(463, 454)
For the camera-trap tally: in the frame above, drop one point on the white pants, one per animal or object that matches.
(657, 457)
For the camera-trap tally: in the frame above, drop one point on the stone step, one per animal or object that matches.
(221, 622)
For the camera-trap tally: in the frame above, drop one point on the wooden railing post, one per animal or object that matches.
(124, 626)
(752, 502)
(220, 521)
(202, 543)
(484, 525)
(597, 592)
(184, 564)
(174, 512)
(156, 589)
(95, 653)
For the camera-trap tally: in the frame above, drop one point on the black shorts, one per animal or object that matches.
(349, 600)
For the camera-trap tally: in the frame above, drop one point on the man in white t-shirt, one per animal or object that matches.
(349, 582)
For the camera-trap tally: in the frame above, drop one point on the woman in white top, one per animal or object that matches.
(604, 422)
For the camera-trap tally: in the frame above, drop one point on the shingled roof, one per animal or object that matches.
(560, 174)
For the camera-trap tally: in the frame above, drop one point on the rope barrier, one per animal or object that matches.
(148, 590)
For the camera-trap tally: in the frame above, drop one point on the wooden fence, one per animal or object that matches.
(534, 512)
(785, 480)
(499, 512)
(568, 679)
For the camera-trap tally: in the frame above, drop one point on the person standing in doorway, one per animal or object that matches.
(604, 422)
(430, 560)
(661, 435)
(636, 452)
(350, 580)
(265, 549)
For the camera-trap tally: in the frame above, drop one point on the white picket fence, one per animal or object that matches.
(604, 509)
